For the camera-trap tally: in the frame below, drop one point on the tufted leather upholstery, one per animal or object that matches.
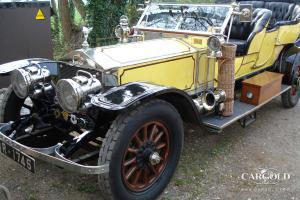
(281, 12)
(276, 12)
(243, 33)
(284, 12)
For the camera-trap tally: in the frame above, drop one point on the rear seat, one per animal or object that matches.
(284, 12)
(243, 33)
(272, 12)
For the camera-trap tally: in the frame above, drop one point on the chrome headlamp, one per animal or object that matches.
(214, 44)
(23, 79)
(72, 93)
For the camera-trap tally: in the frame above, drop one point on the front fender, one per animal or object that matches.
(123, 97)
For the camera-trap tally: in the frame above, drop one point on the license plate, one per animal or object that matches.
(24, 160)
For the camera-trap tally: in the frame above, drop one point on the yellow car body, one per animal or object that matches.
(127, 102)
(190, 68)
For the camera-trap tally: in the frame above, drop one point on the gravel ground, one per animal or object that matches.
(211, 166)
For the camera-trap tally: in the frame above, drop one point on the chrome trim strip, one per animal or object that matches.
(48, 151)
(64, 163)
(186, 32)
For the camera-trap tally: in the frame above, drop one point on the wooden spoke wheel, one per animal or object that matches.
(146, 156)
(295, 91)
(291, 98)
(142, 149)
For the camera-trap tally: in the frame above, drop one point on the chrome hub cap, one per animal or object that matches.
(154, 158)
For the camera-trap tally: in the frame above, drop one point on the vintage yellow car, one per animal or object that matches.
(117, 111)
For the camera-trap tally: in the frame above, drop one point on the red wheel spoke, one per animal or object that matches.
(158, 137)
(155, 172)
(160, 146)
(145, 131)
(137, 177)
(129, 162)
(138, 140)
(130, 172)
(132, 150)
(153, 131)
(294, 91)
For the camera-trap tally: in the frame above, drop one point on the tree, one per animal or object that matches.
(71, 32)
(80, 7)
(66, 20)
(132, 11)
(56, 20)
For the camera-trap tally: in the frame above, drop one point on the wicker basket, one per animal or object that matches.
(226, 79)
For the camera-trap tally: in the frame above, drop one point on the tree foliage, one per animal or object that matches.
(67, 21)
(103, 16)
(132, 11)
(80, 7)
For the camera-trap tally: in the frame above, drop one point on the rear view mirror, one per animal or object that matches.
(246, 11)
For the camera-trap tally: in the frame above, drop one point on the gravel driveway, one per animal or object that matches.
(211, 166)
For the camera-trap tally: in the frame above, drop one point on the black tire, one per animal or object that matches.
(118, 138)
(289, 66)
(289, 100)
(291, 97)
(10, 106)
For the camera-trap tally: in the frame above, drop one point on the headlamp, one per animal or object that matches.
(72, 93)
(214, 43)
(23, 79)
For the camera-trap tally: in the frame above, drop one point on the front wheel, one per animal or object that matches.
(142, 149)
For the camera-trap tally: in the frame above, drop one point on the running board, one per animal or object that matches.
(216, 123)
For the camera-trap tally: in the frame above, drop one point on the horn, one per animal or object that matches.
(208, 100)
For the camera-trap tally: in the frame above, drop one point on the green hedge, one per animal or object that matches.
(103, 16)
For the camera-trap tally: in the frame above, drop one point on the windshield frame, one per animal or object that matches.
(178, 31)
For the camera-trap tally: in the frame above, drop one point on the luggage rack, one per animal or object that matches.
(216, 123)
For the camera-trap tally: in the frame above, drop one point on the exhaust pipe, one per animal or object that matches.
(209, 100)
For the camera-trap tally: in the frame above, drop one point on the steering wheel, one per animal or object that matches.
(202, 21)
(198, 20)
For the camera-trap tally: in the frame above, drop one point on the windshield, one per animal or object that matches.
(189, 17)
